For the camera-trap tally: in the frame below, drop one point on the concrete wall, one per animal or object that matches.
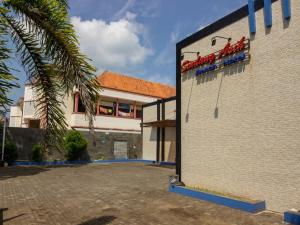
(241, 125)
(15, 117)
(170, 144)
(150, 133)
(106, 122)
(100, 145)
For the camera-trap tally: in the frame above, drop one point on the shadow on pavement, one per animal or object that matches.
(17, 171)
(11, 218)
(99, 221)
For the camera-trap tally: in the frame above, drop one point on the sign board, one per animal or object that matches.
(227, 56)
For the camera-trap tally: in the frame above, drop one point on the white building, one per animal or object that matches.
(119, 109)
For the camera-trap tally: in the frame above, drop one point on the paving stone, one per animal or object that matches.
(108, 194)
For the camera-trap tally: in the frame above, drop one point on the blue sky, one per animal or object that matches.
(138, 37)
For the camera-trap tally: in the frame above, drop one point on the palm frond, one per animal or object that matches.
(7, 80)
(46, 83)
(60, 43)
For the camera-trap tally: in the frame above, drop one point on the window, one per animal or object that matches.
(81, 107)
(34, 124)
(125, 110)
(106, 108)
(138, 112)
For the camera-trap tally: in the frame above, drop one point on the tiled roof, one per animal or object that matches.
(134, 85)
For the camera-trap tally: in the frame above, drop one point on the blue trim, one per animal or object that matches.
(168, 163)
(292, 217)
(268, 13)
(124, 161)
(53, 163)
(229, 202)
(251, 17)
(286, 4)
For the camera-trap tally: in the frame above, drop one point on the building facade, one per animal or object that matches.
(118, 115)
(238, 98)
(159, 130)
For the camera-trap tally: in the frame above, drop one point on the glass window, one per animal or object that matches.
(81, 107)
(125, 110)
(106, 108)
(138, 114)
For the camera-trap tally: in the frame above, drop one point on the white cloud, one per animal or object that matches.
(124, 9)
(164, 79)
(167, 55)
(114, 45)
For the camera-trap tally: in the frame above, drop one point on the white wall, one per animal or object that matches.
(127, 96)
(15, 119)
(250, 146)
(150, 133)
(106, 122)
(28, 93)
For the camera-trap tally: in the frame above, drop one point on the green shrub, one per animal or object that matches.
(37, 153)
(10, 152)
(75, 144)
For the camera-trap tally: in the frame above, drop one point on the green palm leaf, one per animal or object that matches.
(48, 48)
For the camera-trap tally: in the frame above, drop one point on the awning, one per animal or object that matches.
(160, 123)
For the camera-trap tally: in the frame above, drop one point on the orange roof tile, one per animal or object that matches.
(134, 85)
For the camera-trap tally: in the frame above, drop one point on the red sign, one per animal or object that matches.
(211, 58)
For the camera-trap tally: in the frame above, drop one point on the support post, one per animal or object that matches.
(163, 132)
(3, 138)
(98, 110)
(76, 102)
(134, 110)
(117, 108)
(158, 133)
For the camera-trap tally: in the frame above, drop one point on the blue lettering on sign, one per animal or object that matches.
(234, 59)
(206, 69)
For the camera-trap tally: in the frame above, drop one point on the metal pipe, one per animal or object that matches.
(3, 137)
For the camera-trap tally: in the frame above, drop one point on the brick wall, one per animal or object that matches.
(241, 125)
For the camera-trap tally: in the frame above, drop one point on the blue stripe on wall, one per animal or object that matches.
(268, 13)
(286, 4)
(252, 21)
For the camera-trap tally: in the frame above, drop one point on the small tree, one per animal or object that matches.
(75, 144)
(37, 153)
(10, 152)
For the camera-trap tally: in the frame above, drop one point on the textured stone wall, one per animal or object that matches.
(241, 125)
(100, 145)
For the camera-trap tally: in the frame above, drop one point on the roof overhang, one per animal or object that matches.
(160, 123)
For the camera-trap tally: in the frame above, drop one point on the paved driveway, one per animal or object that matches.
(107, 194)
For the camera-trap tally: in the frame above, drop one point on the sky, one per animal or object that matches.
(137, 37)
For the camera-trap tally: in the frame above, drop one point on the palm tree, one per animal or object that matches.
(47, 47)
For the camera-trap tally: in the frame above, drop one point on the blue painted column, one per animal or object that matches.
(286, 4)
(251, 17)
(268, 13)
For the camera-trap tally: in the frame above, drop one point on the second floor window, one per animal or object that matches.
(106, 108)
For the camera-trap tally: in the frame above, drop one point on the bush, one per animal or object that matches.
(37, 153)
(10, 152)
(75, 144)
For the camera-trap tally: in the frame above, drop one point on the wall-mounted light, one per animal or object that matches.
(214, 39)
(182, 54)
